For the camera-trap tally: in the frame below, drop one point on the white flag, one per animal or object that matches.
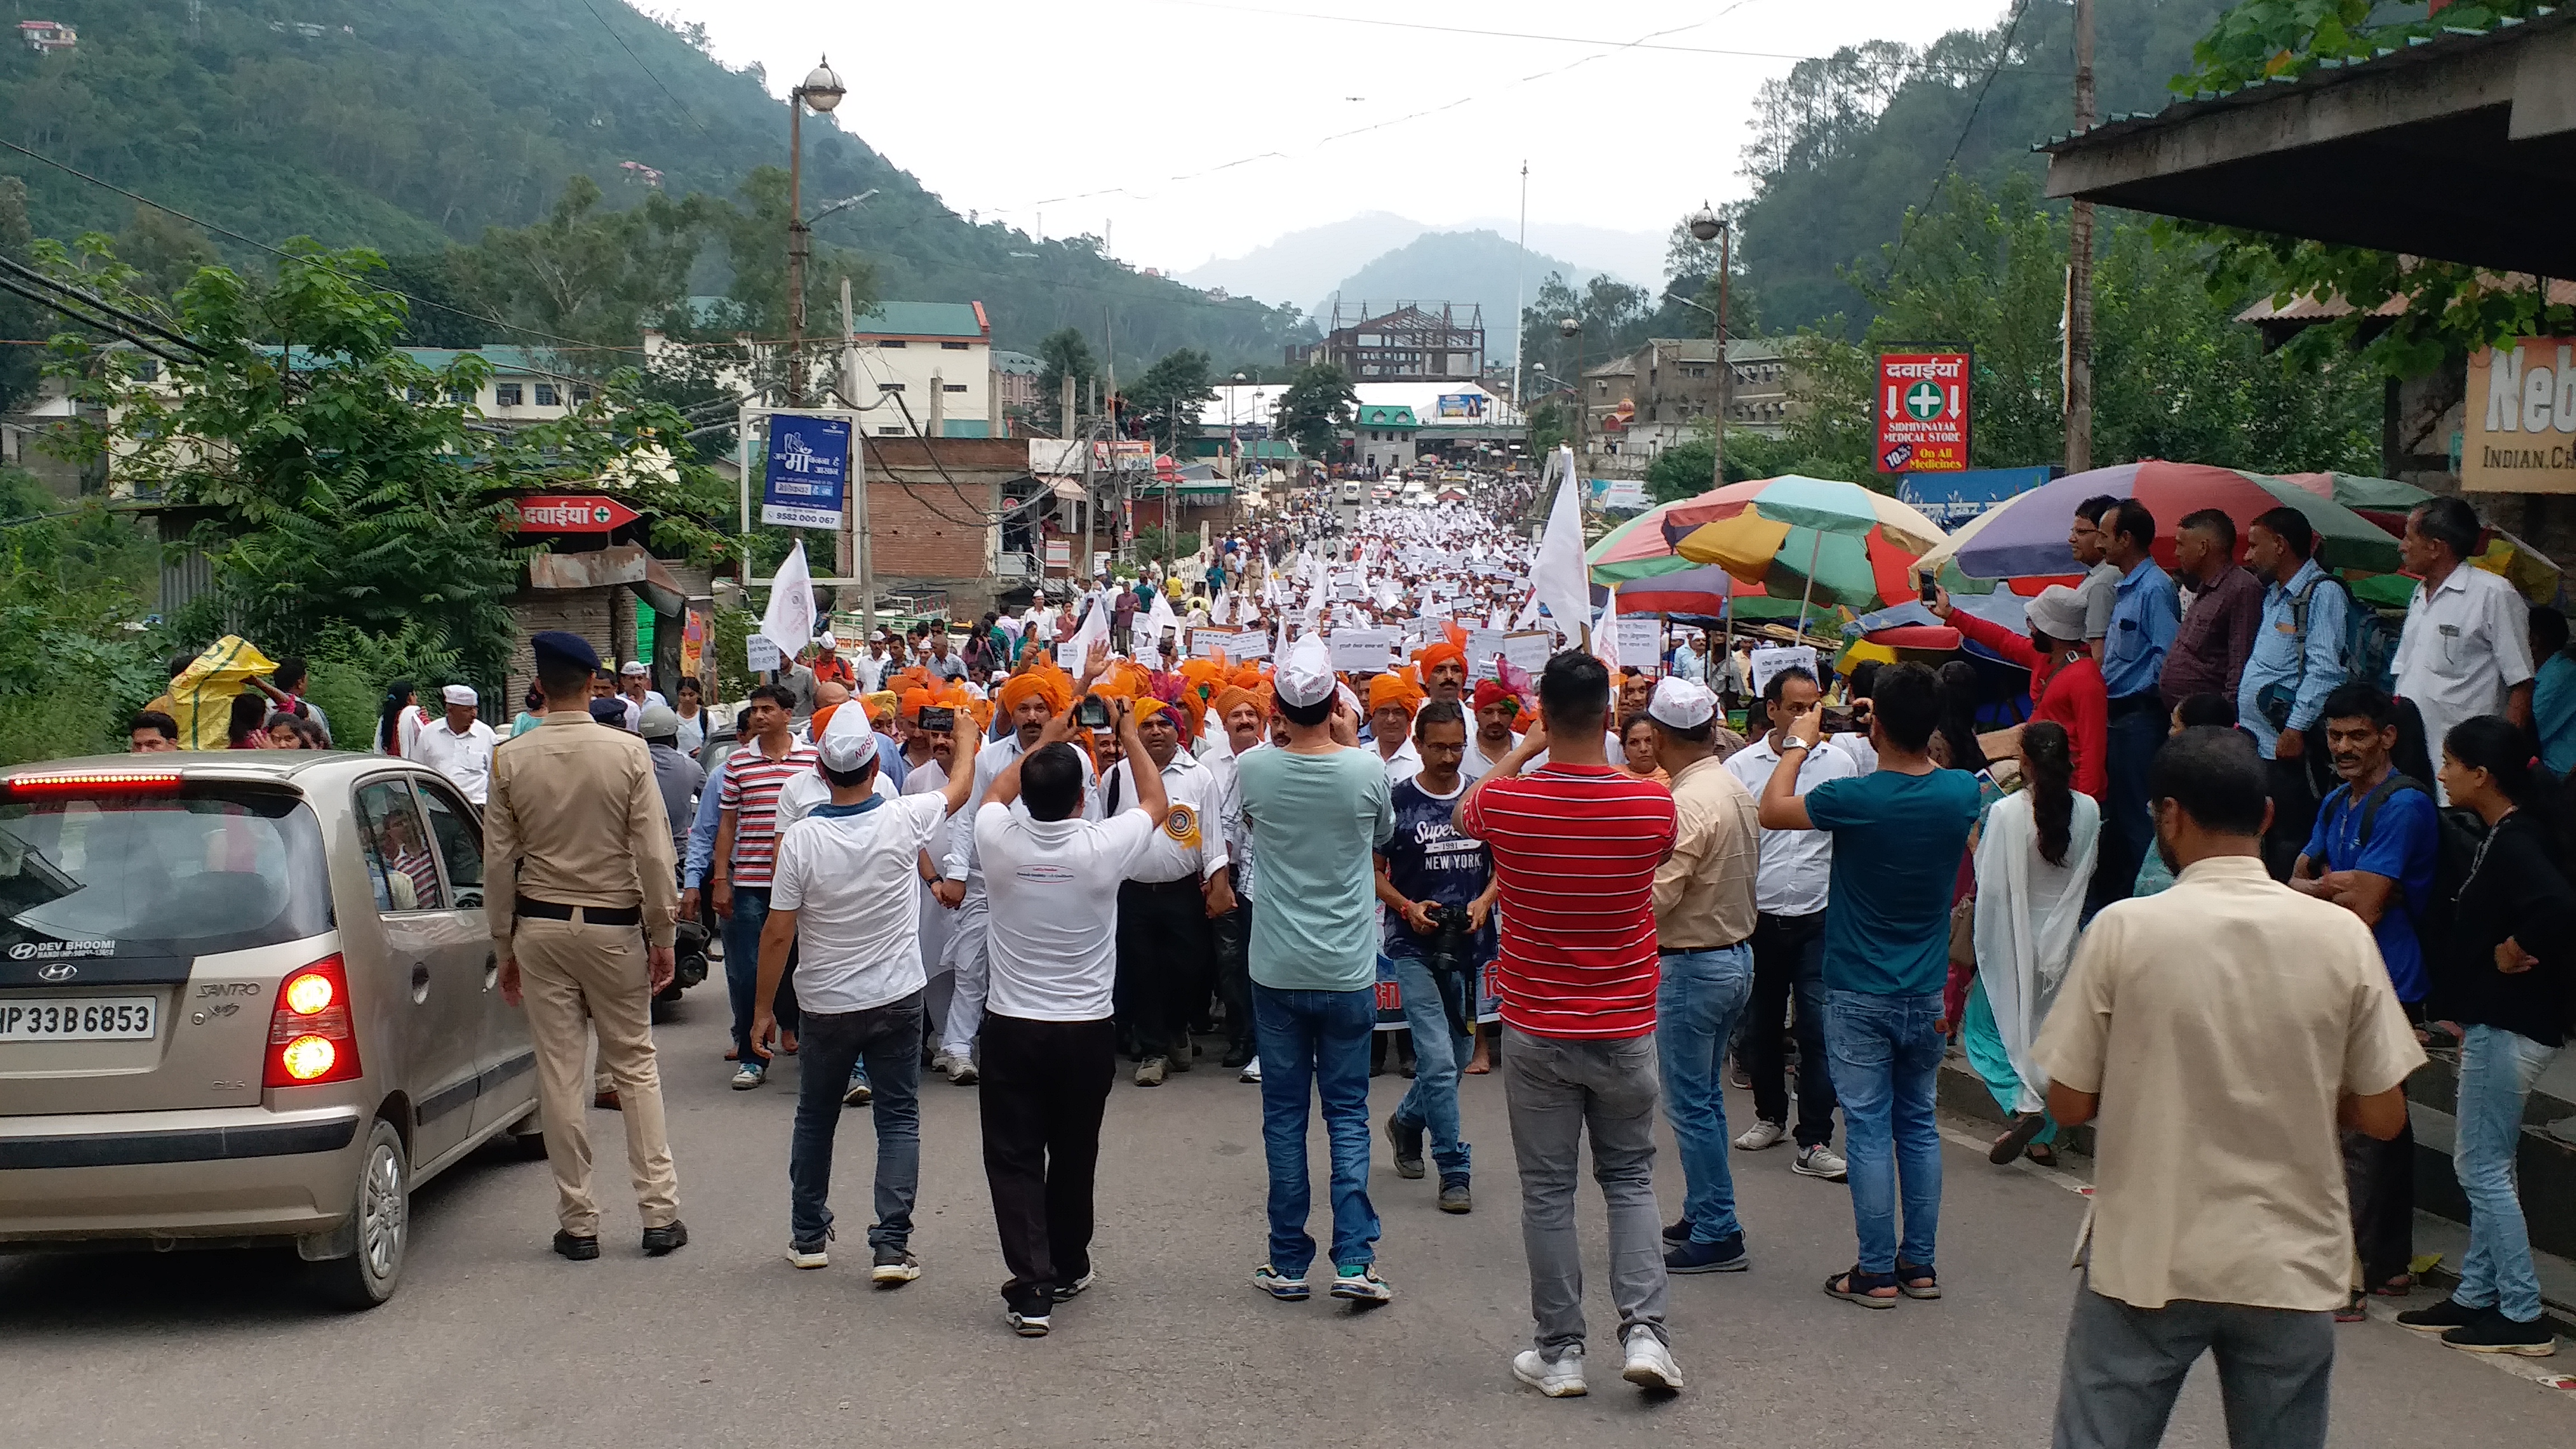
(789, 621)
(1558, 572)
(1605, 635)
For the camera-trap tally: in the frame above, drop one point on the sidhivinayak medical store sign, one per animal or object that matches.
(2521, 432)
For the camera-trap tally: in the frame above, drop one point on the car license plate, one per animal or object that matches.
(78, 1018)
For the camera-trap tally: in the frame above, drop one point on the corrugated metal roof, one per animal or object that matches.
(924, 319)
(2325, 309)
(2416, 51)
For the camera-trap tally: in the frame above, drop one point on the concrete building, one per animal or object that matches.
(1382, 437)
(928, 368)
(1015, 385)
(1673, 384)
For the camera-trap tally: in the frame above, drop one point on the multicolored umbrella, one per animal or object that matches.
(2023, 539)
(1638, 548)
(1702, 591)
(1805, 538)
(2386, 502)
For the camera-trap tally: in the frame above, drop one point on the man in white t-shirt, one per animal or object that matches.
(1790, 889)
(1050, 1047)
(841, 892)
(458, 746)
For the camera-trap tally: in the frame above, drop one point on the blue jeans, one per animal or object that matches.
(2128, 830)
(742, 971)
(2497, 1069)
(1431, 1103)
(1319, 1038)
(1702, 994)
(886, 1041)
(1886, 1050)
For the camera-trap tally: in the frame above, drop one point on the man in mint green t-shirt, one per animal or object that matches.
(1318, 809)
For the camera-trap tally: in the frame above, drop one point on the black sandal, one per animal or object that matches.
(1917, 1280)
(1857, 1287)
(2041, 1153)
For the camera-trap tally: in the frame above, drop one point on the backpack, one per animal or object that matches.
(2456, 834)
(2367, 651)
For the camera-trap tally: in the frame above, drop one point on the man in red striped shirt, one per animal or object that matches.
(1575, 848)
(746, 850)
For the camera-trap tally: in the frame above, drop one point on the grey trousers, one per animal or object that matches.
(2124, 1366)
(1556, 1089)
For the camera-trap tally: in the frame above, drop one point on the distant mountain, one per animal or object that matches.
(1303, 265)
(408, 125)
(1466, 268)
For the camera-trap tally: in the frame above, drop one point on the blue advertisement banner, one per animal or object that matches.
(809, 467)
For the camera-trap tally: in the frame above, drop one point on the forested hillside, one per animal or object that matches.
(408, 125)
(1842, 147)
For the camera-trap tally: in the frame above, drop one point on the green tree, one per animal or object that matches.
(164, 249)
(1066, 354)
(21, 321)
(1315, 408)
(1682, 470)
(588, 273)
(343, 485)
(1164, 403)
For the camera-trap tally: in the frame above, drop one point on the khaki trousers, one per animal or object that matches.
(574, 977)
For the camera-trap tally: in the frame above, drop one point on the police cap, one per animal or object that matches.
(560, 647)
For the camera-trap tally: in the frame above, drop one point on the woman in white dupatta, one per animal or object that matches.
(2034, 859)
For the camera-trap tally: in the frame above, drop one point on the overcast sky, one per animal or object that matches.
(1190, 129)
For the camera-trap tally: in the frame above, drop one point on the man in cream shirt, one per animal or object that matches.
(2221, 1035)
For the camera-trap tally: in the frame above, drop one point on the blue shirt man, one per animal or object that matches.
(2377, 835)
(2303, 664)
(2144, 617)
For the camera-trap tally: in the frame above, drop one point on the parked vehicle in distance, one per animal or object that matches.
(1353, 490)
(246, 998)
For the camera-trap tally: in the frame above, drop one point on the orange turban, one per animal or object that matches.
(1248, 677)
(1442, 652)
(881, 707)
(1037, 684)
(915, 701)
(1149, 707)
(821, 721)
(915, 677)
(1387, 689)
(1235, 694)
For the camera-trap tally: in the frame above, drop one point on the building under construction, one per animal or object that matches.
(1409, 342)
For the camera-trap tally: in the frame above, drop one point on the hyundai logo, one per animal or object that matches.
(57, 971)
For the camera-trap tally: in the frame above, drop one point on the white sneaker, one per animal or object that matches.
(1562, 1379)
(1818, 1160)
(1251, 1071)
(961, 1069)
(817, 1256)
(1030, 1325)
(1760, 1135)
(747, 1076)
(1650, 1363)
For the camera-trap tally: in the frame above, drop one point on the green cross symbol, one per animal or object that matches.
(1923, 401)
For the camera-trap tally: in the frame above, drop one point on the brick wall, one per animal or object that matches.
(576, 611)
(927, 501)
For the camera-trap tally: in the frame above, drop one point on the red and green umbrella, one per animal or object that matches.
(2386, 502)
(1805, 538)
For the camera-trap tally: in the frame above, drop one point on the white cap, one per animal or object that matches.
(848, 743)
(636, 666)
(828, 640)
(1306, 672)
(459, 694)
(1681, 703)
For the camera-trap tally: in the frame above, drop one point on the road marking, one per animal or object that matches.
(2533, 1370)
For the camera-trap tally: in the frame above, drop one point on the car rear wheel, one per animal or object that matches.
(382, 1213)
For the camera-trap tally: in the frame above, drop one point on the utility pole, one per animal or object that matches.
(2079, 270)
(1706, 225)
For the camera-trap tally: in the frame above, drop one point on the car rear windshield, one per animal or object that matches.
(205, 869)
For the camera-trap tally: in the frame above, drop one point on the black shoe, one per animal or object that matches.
(579, 1250)
(1408, 1147)
(1677, 1232)
(2442, 1317)
(1235, 1057)
(2495, 1333)
(666, 1239)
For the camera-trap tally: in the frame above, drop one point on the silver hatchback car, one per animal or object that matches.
(245, 998)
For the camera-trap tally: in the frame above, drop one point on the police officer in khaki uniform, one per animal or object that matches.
(579, 856)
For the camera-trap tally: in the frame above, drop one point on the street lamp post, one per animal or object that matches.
(1572, 331)
(1707, 225)
(822, 90)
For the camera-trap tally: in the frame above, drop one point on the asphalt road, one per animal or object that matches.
(493, 1340)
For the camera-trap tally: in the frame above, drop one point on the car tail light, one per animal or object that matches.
(94, 782)
(310, 1039)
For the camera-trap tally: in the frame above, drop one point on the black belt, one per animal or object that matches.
(1188, 883)
(590, 915)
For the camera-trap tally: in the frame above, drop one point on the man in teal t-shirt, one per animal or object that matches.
(1899, 835)
(1318, 808)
